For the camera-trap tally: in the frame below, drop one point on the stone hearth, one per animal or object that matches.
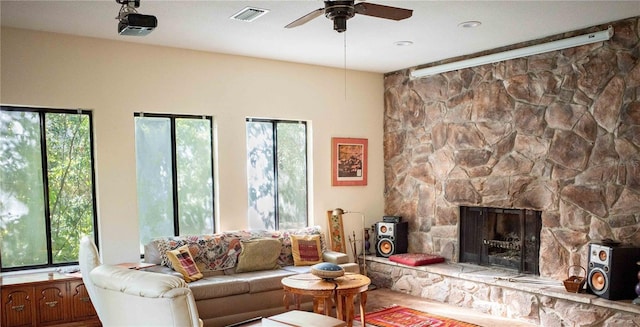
(556, 132)
(503, 293)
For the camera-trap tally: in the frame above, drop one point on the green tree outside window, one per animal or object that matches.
(46, 186)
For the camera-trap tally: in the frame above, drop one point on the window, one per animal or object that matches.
(47, 194)
(277, 173)
(174, 164)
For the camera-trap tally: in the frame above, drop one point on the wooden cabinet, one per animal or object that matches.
(18, 308)
(81, 307)
(46, 300)
(52, 305)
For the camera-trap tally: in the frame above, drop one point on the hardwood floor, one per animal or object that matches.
(380, 298)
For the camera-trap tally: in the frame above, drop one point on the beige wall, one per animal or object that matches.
(116, 79)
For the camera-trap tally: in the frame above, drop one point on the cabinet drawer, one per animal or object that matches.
(52, 304)
(17, 307)
(81, 306)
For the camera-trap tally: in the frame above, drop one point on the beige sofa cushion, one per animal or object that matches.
(228, 285)
(268, 280)
(218, 286)
(152, 253)
(335, 257)
(259, 254)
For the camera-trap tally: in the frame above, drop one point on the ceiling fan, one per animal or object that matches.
(341, 11)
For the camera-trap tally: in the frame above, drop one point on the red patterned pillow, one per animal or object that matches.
(286, 254)
(182, 262)
(307, 250)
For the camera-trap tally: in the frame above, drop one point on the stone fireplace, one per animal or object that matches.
(496, 237)
(557, 133)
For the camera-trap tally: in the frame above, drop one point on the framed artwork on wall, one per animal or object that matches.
(336, 233)
(349, 161)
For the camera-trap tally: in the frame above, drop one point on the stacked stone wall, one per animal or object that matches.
(557, 132)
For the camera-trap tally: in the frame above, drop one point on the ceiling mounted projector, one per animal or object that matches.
(130, 22)
(137, 24)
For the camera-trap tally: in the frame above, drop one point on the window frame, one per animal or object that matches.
(274, 123)
(42, 112)
(174, 167)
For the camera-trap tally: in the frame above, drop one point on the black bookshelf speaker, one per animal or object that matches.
(612, 272)
(392, 238)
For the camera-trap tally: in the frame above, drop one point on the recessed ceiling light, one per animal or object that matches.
(249, 14)
(470, 24)
(403, 43)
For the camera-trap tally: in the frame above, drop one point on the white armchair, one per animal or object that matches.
(129, 297)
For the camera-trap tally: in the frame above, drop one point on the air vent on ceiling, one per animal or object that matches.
(249, 14)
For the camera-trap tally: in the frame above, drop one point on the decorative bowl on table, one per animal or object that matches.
(327, 271)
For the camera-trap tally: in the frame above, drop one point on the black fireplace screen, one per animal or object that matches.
(508, 238)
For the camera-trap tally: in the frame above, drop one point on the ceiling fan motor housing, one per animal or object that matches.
(339, 12)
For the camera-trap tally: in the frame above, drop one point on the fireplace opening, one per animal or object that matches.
(507, 238)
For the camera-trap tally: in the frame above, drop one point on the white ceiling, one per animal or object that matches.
(205, 25)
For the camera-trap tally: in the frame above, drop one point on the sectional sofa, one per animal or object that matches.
(236, 285)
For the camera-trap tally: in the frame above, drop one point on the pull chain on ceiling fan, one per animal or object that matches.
(341, 11)
(345, 65)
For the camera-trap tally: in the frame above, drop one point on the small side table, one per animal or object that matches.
(136, 265)
(344, 289)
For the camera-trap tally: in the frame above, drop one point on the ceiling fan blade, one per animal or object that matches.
(306, 18)
(381, 11)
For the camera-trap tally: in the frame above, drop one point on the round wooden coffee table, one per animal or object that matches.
(342, 289)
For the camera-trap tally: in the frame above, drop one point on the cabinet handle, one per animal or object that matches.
(51, 304)
(85, 299)
(18, 307)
